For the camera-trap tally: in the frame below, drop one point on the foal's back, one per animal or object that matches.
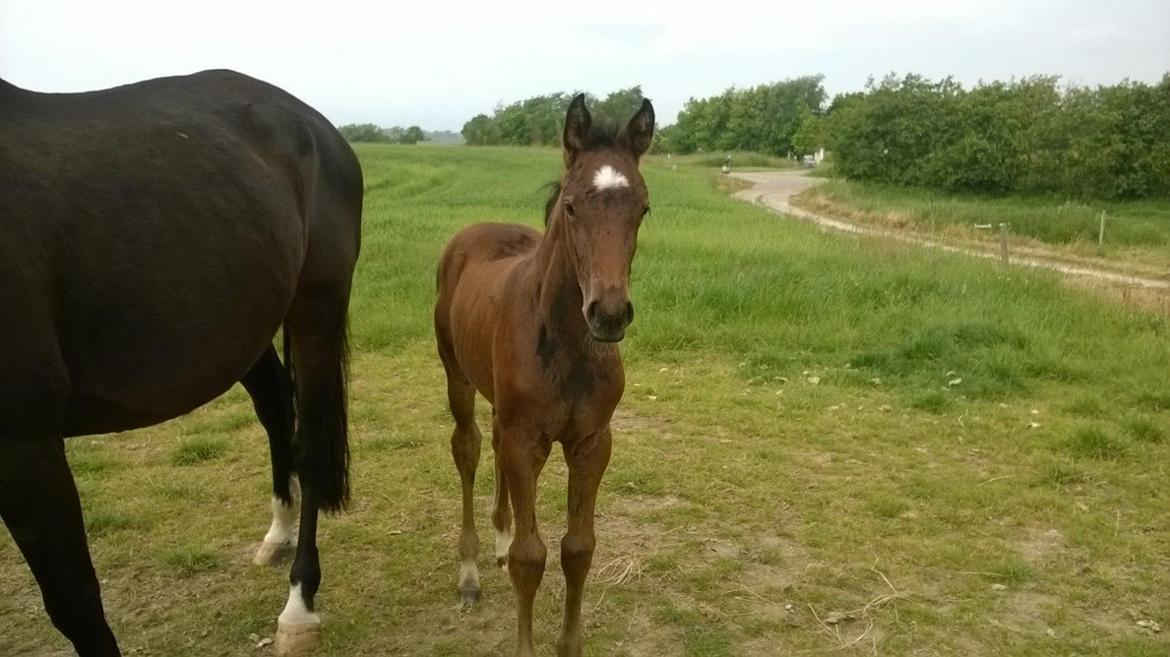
(474, 271)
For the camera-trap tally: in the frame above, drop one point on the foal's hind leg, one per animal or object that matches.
(39, 504)
(270, 387)
(587, 460)
(501, 508)
(465, 448)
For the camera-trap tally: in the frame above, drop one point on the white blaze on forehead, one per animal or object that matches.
(608, 177)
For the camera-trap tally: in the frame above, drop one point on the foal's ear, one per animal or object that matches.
(577, 124)
(640, 132)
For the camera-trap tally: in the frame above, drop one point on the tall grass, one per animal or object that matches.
(715, 276)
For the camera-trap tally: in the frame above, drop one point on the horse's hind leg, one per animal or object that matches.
(587, 460)
(270, 387)
(316, 327)
(501, 507)
(39, 504)
(465, 448)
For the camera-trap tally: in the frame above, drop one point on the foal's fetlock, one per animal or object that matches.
(469, 583)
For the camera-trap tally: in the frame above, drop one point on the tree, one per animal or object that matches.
(481, 130)
(412, 135)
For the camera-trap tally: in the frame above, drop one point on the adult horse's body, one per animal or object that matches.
(530, 322)
(153, 240)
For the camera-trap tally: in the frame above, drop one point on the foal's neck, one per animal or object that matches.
(558, 298)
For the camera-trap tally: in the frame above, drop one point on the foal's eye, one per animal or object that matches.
(569, 209)
(646, 212)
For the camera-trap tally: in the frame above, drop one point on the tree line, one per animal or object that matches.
(539, 121)
(369, 132)
(1031, 135)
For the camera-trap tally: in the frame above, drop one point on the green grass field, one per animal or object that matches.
(1137, 233)
(827, 446)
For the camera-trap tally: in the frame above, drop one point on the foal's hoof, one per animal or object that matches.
(469, 595)
(295, 640)
(274, 554)
(502, 562)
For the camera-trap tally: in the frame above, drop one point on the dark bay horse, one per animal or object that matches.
(154, 238)
(532, 323)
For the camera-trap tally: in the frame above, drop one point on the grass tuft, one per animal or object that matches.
(1094, 442)
(198, 449)
(188, 561)
(1145, 430)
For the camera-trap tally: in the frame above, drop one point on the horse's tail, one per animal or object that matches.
(333, 456)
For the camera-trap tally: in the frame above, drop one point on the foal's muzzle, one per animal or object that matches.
(608, 322)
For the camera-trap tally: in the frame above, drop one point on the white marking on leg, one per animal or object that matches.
(503, 542)
(296, 612)
(608, 177)
(284, 517)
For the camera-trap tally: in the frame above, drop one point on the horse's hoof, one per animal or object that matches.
(469, 595)
(274, 554)
(295, 640)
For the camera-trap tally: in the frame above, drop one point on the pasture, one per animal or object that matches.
(827, 445)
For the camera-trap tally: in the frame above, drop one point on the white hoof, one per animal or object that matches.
(295, 640)
(274, 554)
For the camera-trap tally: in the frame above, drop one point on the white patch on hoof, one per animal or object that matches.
(296, 612)
(503, 542)
(298, 630)
(608, 177)
(295, 640)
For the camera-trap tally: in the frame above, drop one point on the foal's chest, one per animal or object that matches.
(582, 393)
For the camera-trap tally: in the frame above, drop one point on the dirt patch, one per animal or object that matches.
(627, 421)
(1042, 545)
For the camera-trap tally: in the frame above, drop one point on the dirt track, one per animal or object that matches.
(774, 190)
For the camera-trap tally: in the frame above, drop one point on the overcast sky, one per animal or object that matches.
(436, 63)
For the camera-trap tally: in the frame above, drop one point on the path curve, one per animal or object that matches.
(774, 190)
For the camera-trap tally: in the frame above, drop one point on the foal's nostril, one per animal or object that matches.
(629, 313)
(591, 311)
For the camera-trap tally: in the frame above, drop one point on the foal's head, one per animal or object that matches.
(602, 202)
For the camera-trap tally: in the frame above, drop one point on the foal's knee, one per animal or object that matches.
(526, 557)
(577, 551)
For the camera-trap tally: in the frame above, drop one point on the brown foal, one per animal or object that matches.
(532, 323)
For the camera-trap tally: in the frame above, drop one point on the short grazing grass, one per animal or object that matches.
(198, 449)
(188, 560)
(938, 455)
(1136, 232)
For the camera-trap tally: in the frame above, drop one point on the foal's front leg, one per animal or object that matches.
(523, 454)
(587, 459)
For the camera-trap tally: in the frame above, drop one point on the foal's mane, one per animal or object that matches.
(603, 134)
